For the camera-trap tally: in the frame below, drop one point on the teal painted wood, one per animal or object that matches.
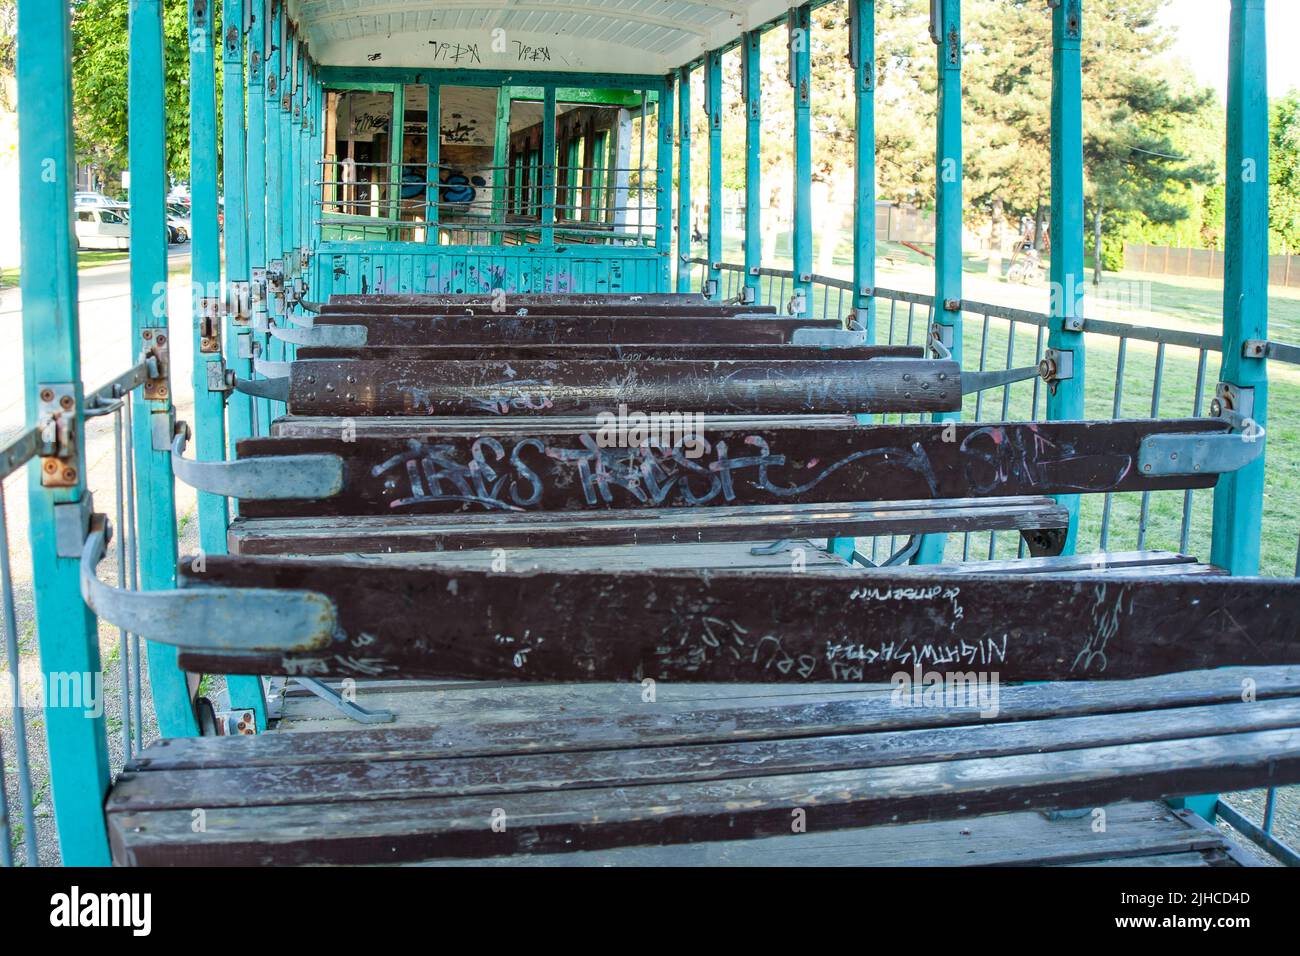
(156, 514)
(1067, 278)
(255, 173)
(684, 180)
(394, 267)
(274, 348)
(205, 256)
(799, 25)
(67, 633)
(664, 188)
(432, 156)
(713, 109)
(359, 77)
(948, 214)
(752, 92)
(549, 159)
(500, 159)
(245, 690)
(1239, 496)
(317, 153)
(862, 24)
(235, 194)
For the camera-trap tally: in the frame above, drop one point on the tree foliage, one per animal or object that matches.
(100, 41)
(1284, 172)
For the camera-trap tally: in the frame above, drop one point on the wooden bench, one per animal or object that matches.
(518, 549)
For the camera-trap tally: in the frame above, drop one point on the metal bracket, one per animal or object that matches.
(307, 306)
(244, 345)
(940, 341)
(56, 420)
(972, 382)
(239, 304)
(331, 336)
(162, 425)
(275, 389)
(209, 325)
(348, 708)
(156, 388)
(1057, 366)
(1199, 454)
(71, 525)
(710, 288)
(218, 380)
(829, 338)
(1233, 400)
(900, 557)
(269, 478)
(234, 620)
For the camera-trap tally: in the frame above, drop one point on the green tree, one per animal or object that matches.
(100, 42)
(1284, 172)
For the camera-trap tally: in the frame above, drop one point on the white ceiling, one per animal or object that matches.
(614, 36)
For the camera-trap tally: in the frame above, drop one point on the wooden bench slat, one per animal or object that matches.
(531, 388)
(626, 353)
(757, 626)
(383, 533)
(469, 726)
(568, 820)
(532, 466)
(576, 329)
(1112, 563)
(699, 763)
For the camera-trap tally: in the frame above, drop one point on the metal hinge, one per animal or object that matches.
(218, 379)
(269, 478)
(1057, 366)
(239, 302)
(829, 338)
(209, 325)
(1215, 454)
(56, 419)
(156, 388)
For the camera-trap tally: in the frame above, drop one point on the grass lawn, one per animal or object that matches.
(85, 260)
(1138, 299)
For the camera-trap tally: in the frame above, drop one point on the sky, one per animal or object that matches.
(1203, 41)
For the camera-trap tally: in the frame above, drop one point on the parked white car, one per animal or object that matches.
(102, 228)
(178, 219)
(80, 199)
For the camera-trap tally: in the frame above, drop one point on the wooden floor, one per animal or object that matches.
(1146, 834)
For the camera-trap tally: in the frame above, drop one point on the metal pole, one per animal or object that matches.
(664, 187)
(946, 318)
(752, 90)
(153, 414)
(1239, 496)
(713, 109)
(799, 24)
(1065, 324)
(862, 55)
(67, 633)
(684, 180)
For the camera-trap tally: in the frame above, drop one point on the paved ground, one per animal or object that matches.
(106, 351)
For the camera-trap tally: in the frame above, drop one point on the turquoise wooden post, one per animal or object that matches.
(274, 189)
(289, 120)
(751, 75)
(255, 173)
(315, 171)
(1065, 325)
(245, 691)
(67, 632)
(235, 193)
(1239, 496)
(684, 180)
(500, 162)
(549, 160)
(713, 109)
(862, 57)
(432, 156)
(948, 214)
(156, 514)
(664, 187)
(799, 24)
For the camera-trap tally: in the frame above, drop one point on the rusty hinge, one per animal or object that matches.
(155, 347)
(57, 421)
(209, 324)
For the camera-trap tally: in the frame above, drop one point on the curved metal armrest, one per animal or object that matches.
(274, 477)
(239, 620)
(329, 336)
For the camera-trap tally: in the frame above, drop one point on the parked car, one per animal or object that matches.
(178, 219)
(80, 199)
(100, 227)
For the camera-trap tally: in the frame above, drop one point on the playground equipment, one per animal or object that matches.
(490, 433)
